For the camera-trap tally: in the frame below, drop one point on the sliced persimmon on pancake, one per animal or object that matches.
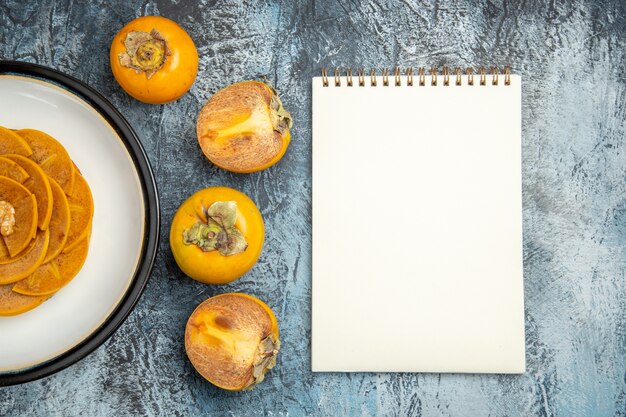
(39, 185)
(5, 256)
(51, 156)
(59, 223)
(25, 206)
(52, 276)
(27, 264)
(12, 303)
(12, 170)
(11, 142)
(81, 213)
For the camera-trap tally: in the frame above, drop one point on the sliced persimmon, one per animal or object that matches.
(59, 223)
(5, 256)
(25, 206)
(12, 170)
(39, 185)
(81, 213)
(11, 142)
(27, 264)
(51, 156)
(52, 276)
(12, 303)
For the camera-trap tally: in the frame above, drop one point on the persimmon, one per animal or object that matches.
(27, 264)
(39, 185)
(51, 156)
(81, 213)
(10, 142)
(12, 170)
(232, 340)
(154, 60)
(244, 127)
(59, 222)
(217, 235)
(24, 215)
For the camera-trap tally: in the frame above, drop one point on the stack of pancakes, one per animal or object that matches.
(53, 216)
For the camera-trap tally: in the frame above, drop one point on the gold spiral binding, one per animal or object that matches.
(324, 77)
(422, 76)
(494, 75)
(482, 71)
(494, 72)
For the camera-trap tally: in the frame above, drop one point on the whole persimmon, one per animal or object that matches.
(154, 60)
(217, 235)
(244, 127)
(232, 340)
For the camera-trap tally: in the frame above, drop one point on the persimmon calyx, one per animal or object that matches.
(281, 118)
(264, 360)
(145, 52)
(7, 218)
(219, 232)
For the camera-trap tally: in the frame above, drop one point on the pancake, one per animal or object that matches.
(39, 185)
(51, 156)
(25, 206)
(12, 170)
(59, 223)
(5, 256)
(52, 276)
(12, 303)
(81, 213)
(27, 264)
(11, 142)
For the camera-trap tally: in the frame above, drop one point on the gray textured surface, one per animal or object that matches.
(572, 56)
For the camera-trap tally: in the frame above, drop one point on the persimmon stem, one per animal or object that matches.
(219, 232)
(145, 52)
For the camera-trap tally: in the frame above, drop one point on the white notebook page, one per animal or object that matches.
(417, 227)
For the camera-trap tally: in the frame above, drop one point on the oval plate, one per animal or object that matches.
(124, 239)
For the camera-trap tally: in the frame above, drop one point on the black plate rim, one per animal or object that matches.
(152, 220)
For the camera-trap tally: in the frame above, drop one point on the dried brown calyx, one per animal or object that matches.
(281, 118)
(145, 52)
(264, 360)
(219, 232)
(7, 218)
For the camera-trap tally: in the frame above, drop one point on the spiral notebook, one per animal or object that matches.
(417, 222)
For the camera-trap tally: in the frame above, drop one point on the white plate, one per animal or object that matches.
(79, 317)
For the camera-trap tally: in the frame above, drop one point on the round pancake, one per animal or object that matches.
(39, 185)
(81, 213)
(27, 264)
(59, 223)
(51, 156)
(12, 303)
(5, 256)
(25, 206)
(11, 142)
(52, 276)
(12, 170)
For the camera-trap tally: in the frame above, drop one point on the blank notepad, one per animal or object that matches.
(417, 226)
